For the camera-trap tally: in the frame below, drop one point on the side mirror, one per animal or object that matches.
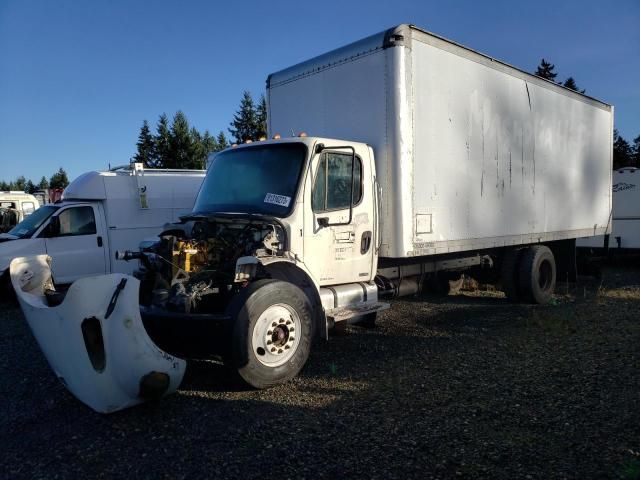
(53, 229)
(323, 221)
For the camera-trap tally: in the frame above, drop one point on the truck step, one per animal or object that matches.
(357, 310)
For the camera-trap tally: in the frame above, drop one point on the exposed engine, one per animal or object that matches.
(197, 266)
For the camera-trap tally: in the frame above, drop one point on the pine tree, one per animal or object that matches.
(571, 83)
(636, 152)
(261, 119)
(20, 184)
(621, 151)
(44, 183)
(162, 143)
(180, 142)
(59, 179)
(221, 141)
(243, 126)
(30, 187)
(545, 70)
(4, 186)
(146, 147)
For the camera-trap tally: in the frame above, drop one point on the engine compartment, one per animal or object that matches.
(197, 266)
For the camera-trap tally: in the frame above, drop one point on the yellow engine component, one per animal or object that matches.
(187, 256)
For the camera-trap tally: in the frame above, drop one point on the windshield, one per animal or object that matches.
(30, 224)
(261, 179)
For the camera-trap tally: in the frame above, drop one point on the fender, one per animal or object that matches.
(295, 272)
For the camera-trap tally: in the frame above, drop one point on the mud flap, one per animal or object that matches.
(94, 340)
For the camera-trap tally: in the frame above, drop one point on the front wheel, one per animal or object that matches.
(271, 333)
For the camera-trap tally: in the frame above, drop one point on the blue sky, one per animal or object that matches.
(77, 78)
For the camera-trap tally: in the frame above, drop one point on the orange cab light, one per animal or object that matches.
(302, 134)
(248, 140)
(277, 136)
(262, 139)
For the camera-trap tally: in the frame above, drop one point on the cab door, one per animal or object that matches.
(77, 244)
(339, 216)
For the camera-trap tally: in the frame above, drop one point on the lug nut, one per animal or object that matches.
(288, 322)
(273, 349)
(291, 329)
(282, 320)
(280, 351)
(274, 324)
(286, 347)
(269, 342)
(270, 332)
(291, 339)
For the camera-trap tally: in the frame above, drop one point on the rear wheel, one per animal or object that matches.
(271, 333)
(537, 274)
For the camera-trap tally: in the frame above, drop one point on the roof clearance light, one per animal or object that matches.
(262, 138)
(248, 140)
(277, 136)
(234, 145)
(302, 134)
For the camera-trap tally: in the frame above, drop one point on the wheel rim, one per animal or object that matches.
(545, 276)
(276, 335)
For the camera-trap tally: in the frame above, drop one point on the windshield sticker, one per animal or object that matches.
(281, 200)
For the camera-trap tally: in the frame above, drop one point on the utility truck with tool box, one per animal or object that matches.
(100, 213)
(424, 159)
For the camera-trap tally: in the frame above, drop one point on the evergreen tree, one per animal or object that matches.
(44, 183)
(621, 151)
(59, 179)
(30, 187)
(20, 184)
(571, 83)
(636, 152)
(545, 70)
(209, 144)
(221, 141)
(261, 119)
(146, 147)
(162, 143)
(4, 186)
(180, 142)
(196, 154)
(243, 126)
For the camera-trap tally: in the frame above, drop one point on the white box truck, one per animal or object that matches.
(100, 213)
(625, 228)
(15, 206)
(427, 159)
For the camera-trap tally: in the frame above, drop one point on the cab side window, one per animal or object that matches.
(332, 184)
(28, 208)
(77, 221)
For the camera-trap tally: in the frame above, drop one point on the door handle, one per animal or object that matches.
(365, 242)
(99, 241)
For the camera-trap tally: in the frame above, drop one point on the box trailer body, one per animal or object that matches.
(426, 159)
(99, 214)
(470, 153)
(625, 227)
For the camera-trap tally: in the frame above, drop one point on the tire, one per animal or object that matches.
(537, 274)
(271, 333)
(510, 274)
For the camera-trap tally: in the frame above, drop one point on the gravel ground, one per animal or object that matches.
(465, 386)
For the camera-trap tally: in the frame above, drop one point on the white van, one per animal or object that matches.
(100, 213)
(15, 206)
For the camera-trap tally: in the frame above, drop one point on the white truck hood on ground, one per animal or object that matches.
(94, 340)
(20, 247)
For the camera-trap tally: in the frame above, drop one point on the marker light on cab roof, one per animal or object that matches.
(277, 136)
